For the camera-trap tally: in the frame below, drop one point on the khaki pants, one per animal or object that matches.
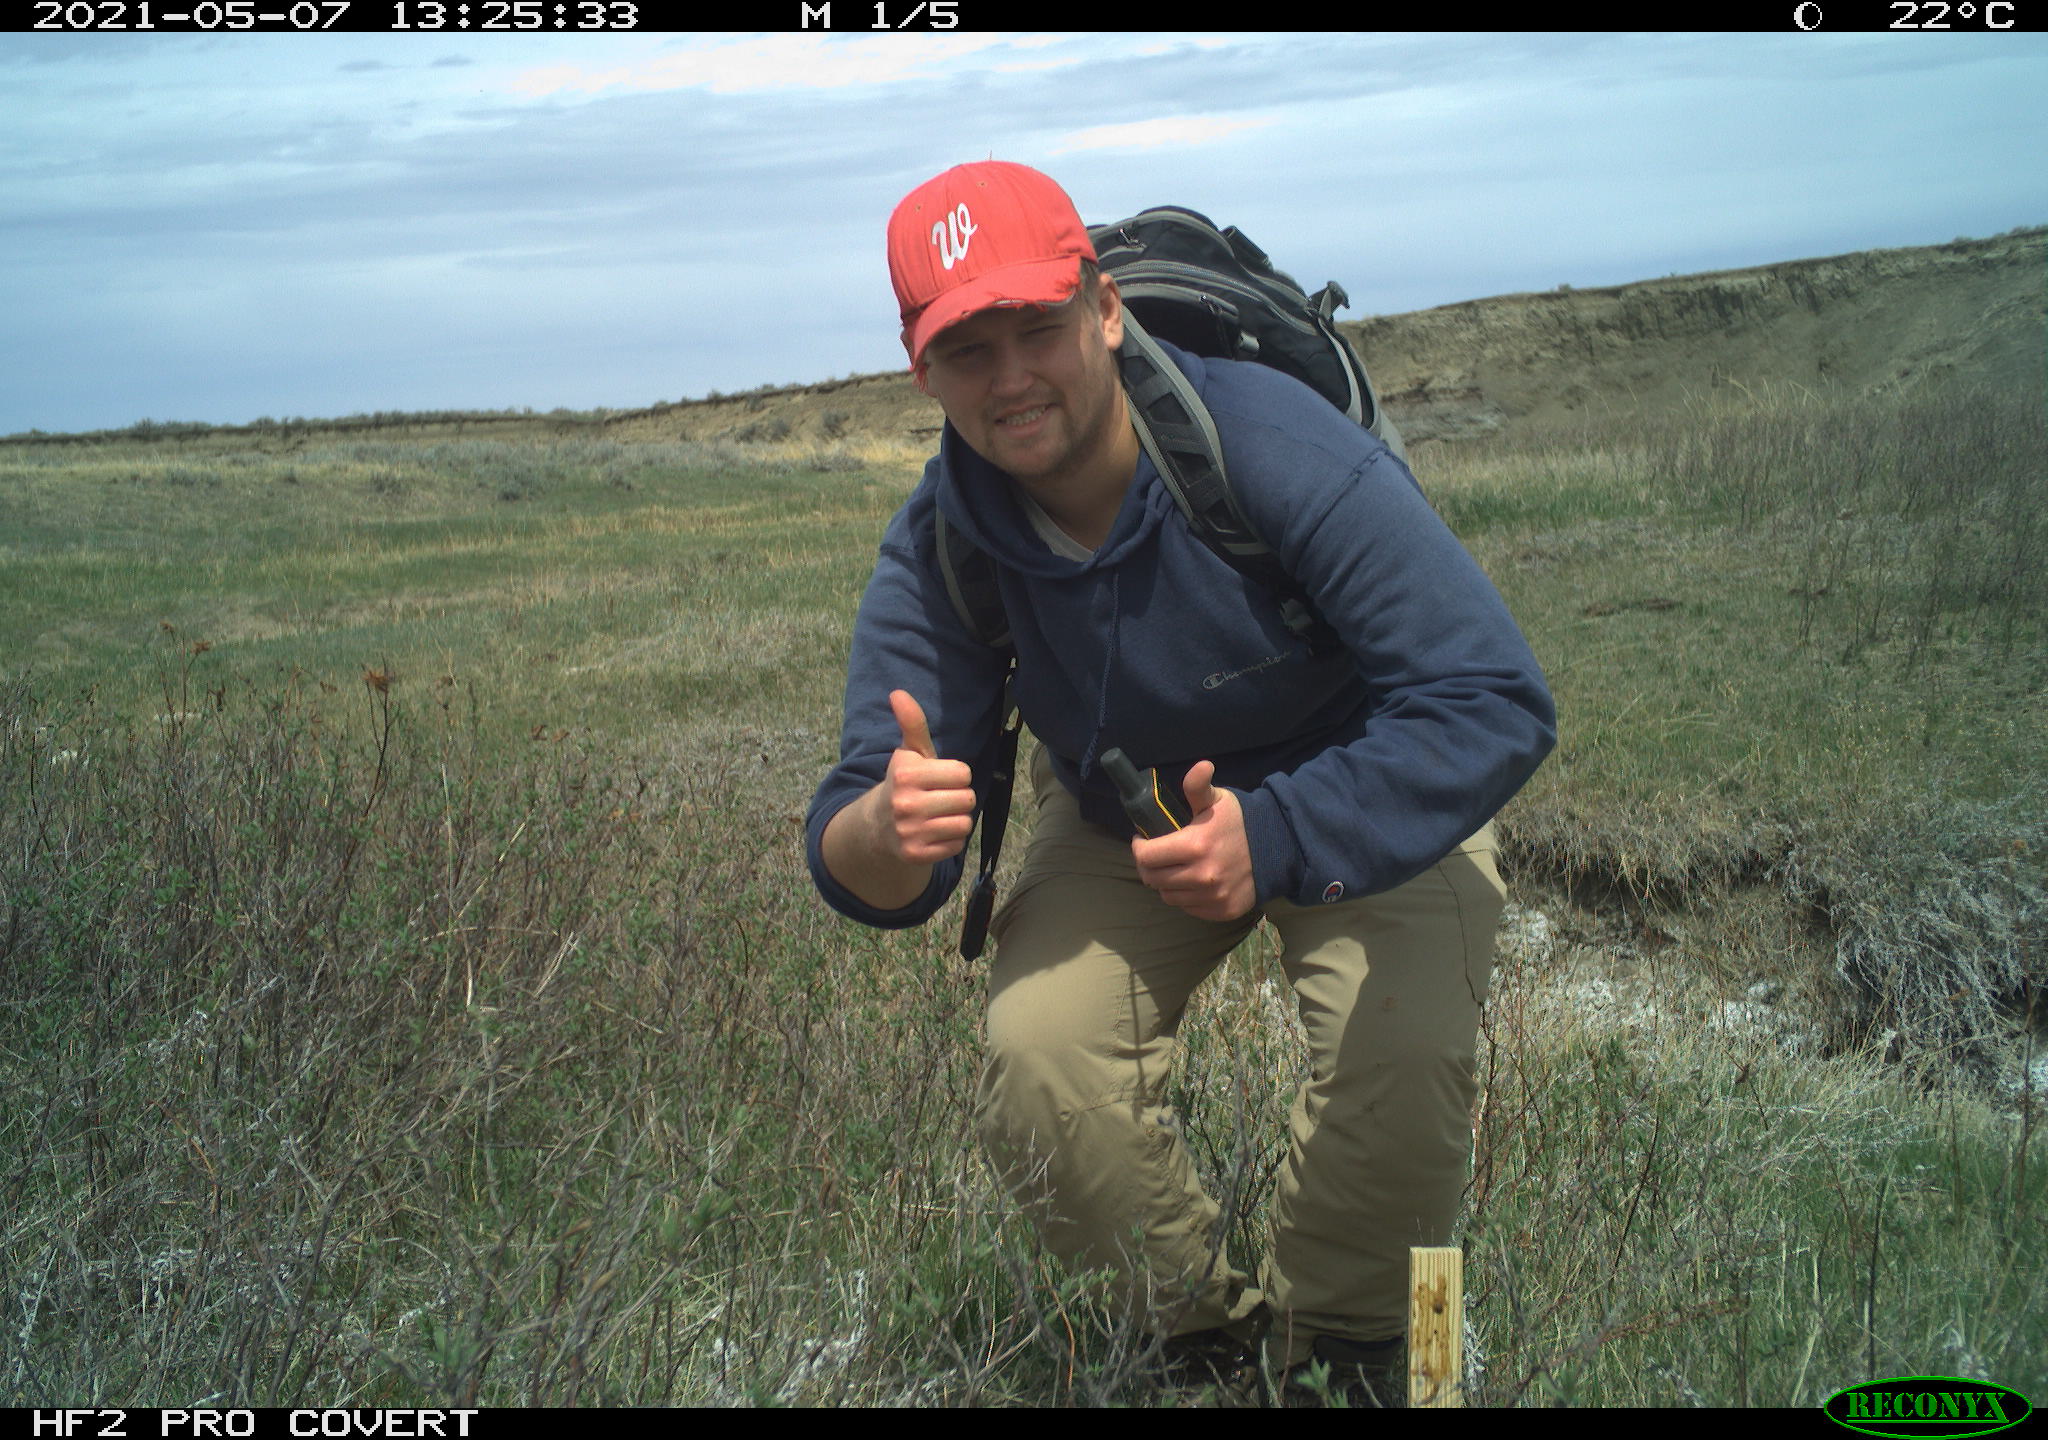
(1092, 974)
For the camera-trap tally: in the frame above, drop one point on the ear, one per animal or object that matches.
(1110, 301)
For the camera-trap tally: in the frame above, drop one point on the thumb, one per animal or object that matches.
(1201, 794)
(917, 735)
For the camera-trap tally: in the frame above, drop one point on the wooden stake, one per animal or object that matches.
(1436, 1326)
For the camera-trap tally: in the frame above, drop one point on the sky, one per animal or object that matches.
(225, 227)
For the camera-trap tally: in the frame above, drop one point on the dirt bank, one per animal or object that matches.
(1873, 321)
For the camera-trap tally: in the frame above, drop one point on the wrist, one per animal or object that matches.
(859, 851)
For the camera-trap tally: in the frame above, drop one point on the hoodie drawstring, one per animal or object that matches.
(1108, 669)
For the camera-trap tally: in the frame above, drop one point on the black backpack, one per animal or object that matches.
(1212, 292)
(1215, 293)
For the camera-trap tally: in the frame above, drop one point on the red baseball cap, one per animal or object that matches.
(979, 236)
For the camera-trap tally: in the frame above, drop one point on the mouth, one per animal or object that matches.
(1023, 419)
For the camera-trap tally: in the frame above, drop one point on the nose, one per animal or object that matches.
(1011, 375)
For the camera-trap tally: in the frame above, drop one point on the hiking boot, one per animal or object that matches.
(1210, 1367)
(1354, 1374)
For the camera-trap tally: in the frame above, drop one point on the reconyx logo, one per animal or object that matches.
(1930, 1405)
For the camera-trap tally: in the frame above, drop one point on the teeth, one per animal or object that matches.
(1025, 418)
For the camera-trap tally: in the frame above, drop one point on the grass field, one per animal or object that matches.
(413, 993)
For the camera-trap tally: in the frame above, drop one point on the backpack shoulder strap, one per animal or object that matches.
(1177, 432)
(970, 578)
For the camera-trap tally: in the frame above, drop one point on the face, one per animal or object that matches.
(1034, 391)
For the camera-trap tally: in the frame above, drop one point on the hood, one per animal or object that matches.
(981, 501)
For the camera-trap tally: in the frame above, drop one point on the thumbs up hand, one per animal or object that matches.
(1204, 868)
(925, 804)
(1198, 787)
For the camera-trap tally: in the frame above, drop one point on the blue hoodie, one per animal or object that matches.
(1356, 771)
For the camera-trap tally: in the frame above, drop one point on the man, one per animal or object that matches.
(1345, 799)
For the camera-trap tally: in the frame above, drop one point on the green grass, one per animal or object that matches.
(478, 1038)
(579, 583)
(1805, 646)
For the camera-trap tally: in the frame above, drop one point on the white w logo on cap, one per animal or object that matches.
(952, 234)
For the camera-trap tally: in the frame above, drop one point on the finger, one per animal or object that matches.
(1202, 903)
(1170, 881)
(911, 771)
(917, 735)
(914, 802)
(1201, 794)
(938, 839)
(925, 837)
(1145, 856)
(1168, 853)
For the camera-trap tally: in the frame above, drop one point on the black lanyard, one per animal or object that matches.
(995, 818)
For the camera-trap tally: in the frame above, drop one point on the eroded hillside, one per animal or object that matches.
(1878, 320)
(1874, 321)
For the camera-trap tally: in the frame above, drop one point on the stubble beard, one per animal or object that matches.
(1084, 437)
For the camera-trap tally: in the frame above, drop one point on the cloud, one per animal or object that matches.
(766, 62)
(1174, 130)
